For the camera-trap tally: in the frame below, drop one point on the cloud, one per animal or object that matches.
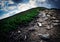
(5, 5)
(8, 14)
(41, 0)
(23, 7)
(11, 2)
(11, 7)
(2, 3)
(4, 16)
(20, 7)
(16, 9)
(20, 1)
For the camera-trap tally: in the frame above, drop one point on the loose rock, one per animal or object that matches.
(19, 31)
(48, 15)
(39, 24)
(48, 27)
(31, 29)
(55, 24)
(44, 36)
(56, 21)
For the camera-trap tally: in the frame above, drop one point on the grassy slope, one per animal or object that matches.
(12, 22)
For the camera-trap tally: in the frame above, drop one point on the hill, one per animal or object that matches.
(19, 19)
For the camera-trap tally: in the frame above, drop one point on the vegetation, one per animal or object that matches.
(12, 22)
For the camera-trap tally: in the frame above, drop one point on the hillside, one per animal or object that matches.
(19, 19)
(34, 25)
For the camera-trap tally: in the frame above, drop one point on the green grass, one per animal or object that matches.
(13, 22)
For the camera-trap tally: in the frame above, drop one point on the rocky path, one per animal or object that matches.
(42, 29)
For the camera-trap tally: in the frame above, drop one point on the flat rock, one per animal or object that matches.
(56, 21)
(32, 29)
(48, 27)
(55, 24)
(48, 15)
(44, 36)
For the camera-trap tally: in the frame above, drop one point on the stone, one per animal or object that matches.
(44, 14)
(53, 17)
(40, 14)
(55, 24)
(48, 27)
(45, 18)
(37, 20)
(32, 29)
(25, 37)
(19, 31)
(39, 24)
(41, 20)
(48, 15)
(39, 34)
(44, 36)
(56, 21)
(51, 26)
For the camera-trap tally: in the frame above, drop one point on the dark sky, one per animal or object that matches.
(55, 3)
(20, 1)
